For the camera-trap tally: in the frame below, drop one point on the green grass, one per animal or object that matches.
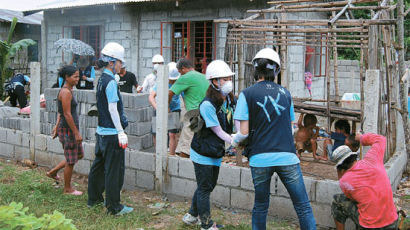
(40, 195)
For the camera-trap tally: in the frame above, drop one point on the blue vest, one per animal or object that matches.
(19, 78)
(206, 142)
(104, 117)
(87, 73)
(270, 128)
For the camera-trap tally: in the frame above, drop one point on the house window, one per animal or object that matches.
(315, 56)
(88, 34)
(32, 52)
(192, 40)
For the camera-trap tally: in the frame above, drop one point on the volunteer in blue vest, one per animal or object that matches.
(107, 170)
(208, 144)
(16, 90)
(265, 111)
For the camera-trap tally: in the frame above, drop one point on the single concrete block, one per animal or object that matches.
(130, 181)
(142, 161)
(221, 195)
(54, 145)
(246, 179)
(145, 180)
(56, 158)
(172, 165)
(7, 150)
(21, 153)
(25, 140)
(139, 101)
(134, 142)
(83, 167)
(325, 189)
(282, 207)
(91, 97)
(229, 175)
(89, 151)
(147, 141)
(3, 135)
(180, 187)
(310, 185)
(14, 137)
(25, 125)
(186, 168)
(323, 215)
(242, 199)
(43, 158)
(40, 142)
(91, 134)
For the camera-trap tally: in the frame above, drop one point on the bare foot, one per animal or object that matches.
(53, 176)
(73, 192)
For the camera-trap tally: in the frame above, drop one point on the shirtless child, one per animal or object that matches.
(305, 137)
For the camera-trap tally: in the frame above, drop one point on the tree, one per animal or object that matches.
(8, 50)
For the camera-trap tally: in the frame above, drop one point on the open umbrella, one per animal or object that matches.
(75, 46)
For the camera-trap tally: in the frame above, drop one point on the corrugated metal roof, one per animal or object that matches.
(8, 15)
(64, 4)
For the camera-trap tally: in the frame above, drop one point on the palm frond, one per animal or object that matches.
(24, 43)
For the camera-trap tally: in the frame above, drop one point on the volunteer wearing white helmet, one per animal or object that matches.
(208, 144)
(150, 79)
(174, 106)
(265, 111)
(107, 171)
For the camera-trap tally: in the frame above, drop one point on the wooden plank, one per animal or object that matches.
(318, 9)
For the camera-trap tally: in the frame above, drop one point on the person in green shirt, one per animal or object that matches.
(194, 86)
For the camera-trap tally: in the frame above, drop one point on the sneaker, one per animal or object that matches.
(213, 227)
(124, 210)
(191, 220)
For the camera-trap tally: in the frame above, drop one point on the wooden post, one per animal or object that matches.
(161, 125)
(35, 78)
(335, 65)
(241, 66)
(403, 81)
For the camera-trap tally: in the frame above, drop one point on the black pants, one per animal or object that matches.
(19, 95)
(107, 172)
(206, 178)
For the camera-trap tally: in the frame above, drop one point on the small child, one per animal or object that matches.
(307, 134)
(342, 132)
(308, 82)
(352, 143)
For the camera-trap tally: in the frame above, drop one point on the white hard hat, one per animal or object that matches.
(269, 54)
(217, 69)
(114, 50)
(341, 154)
(157, 59)
(173, 73)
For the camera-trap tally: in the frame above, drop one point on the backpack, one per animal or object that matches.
(9, 87)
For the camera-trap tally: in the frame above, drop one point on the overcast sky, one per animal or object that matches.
(21, 5)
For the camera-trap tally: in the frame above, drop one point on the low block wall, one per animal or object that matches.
(234, 188)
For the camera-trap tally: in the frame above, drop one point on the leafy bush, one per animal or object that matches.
(14, 216)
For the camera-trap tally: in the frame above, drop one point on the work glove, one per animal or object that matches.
(233, 142)
(123, 139)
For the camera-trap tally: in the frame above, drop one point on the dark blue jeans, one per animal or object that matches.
(206, 178)
(291, 177)
(107, 172)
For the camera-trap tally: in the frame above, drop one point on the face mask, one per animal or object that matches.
(226, 88)
(117, 78)
(156, 66)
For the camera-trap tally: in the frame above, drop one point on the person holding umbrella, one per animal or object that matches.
(108, 168)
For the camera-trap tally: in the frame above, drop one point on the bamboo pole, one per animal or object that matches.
(256, 42)
(335, 65)
(330, 116)
(403, 82)
(337, 16)
(291, 39)
(318, 9)
(328, 4)
(356, 36)
(241, 66)
(307, 22)
(312, 100)
(384, 3)
(291, 1)
(302, 30)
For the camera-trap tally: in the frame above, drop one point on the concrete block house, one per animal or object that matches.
(173, 28)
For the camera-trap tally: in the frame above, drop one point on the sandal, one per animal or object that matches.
(55, 177)
(74, 193)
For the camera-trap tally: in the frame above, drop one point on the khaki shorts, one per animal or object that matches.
(184, 143)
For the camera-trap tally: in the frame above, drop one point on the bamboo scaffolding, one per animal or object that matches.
(292, 1)
(312, 99)
(256, 42)
(359, 37)
(286, 10)
(297, 39)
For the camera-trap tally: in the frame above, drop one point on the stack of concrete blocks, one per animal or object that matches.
(136, 108)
